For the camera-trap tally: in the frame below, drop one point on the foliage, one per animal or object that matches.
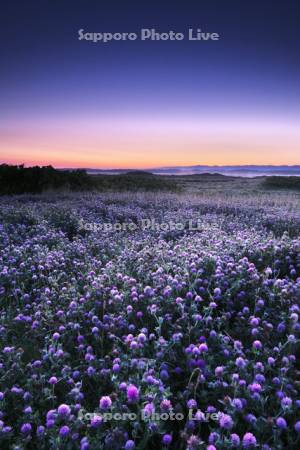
(19, 180)
(132, 320)
(282, 182)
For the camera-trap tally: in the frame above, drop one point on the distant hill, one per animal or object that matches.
(207, 175)
(245, 170)
(139, 173)
(240, 170)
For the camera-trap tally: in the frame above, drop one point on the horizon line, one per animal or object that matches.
(150, 168)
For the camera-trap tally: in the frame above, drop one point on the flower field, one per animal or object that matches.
(142, 337)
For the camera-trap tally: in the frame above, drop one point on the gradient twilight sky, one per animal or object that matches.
(134, 104)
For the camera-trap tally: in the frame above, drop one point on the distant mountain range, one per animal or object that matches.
(241, 171)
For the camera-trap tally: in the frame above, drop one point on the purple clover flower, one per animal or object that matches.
(105, 402)
(64, 410)
(132, 393)
(249, 440)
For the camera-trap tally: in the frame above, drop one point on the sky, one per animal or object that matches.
(142, 104)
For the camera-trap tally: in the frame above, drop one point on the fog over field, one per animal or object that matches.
(240, 171)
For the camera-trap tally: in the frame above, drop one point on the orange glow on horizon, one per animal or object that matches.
(143, 144)
(78, 163)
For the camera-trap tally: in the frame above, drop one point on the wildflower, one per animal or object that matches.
(240, 362)
(40, 430)
(167, 439)
(191, 404)
(96, 421)
(226, 421)
(219, 371)
(286, 402)
(255, 387)
(281, 423)
(132, 393)
(64, 410)
(26, 428)
(105, 402)
(165, 405)
(203, 348)
(235, 439)
(149, 409)
(249, 440)
(213, 437)
(193, 442)
(64, 431)
(52, 380)
(237, 403)
(129, 445)
(257, 345)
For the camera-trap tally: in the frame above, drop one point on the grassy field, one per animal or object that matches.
(151, 320)
(220, 184)
(36, 180)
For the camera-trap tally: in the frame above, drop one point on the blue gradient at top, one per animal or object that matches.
(252, 72)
